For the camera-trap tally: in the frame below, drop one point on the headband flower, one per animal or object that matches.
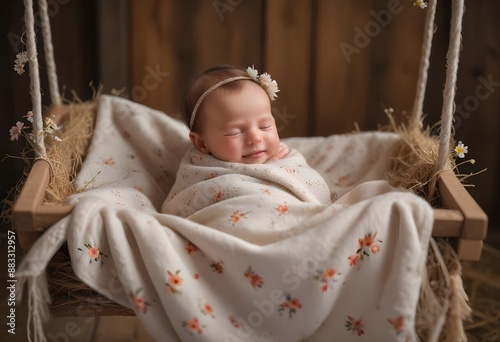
(265, 81)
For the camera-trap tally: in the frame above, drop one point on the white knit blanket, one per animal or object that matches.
(315, 246)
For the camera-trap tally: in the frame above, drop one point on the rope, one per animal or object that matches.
(49, 53)
(416, 115)
(449, 89)
(36, 97)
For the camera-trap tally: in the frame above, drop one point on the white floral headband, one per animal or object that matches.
(264, 80)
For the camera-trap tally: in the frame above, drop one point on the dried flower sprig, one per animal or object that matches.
(420, 3)
(21, 60)
(19, 129)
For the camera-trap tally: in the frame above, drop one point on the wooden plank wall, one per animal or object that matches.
(299, 43)
(337, 63)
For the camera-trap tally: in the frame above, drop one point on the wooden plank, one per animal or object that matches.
(288, 53)
(447, 223)
(31, 197)
(397, 31)
(74, 329)
(182, 39)
(113, 40)
(455, 196)
(123, 329)
(469, 249)
(341, 76)
(47, 215)
(478, 102)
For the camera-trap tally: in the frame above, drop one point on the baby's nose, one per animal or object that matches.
(254, 136)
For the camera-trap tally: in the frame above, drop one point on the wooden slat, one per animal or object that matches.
(31, 197)
(455, 196)
(469, 249)
(394, 61)
(447, 223)
(183, 38)
(287, 58)
(47, 215)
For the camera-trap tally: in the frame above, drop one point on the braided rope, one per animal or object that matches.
(449, 90)
(36, 97)
(49, 53)
(416, 115)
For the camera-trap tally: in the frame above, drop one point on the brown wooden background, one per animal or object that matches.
(298, 42)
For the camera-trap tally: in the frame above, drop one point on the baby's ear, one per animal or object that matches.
(198, 141)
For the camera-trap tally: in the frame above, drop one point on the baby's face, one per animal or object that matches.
(239, 126)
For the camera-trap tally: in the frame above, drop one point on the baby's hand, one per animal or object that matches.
(282, 152)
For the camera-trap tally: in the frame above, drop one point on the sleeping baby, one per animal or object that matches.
(236, 151)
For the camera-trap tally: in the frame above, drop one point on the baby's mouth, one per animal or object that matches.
(254, 154)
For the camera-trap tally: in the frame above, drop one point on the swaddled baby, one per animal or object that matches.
(233, 131)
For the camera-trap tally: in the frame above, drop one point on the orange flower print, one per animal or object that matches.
(326, 278)
(191, 249)
(193, 325)
(174, 281)
(398, 324)
(367, 241)
(366, 245)
(236, 217)
(292, 305)
(217, 267)
(94, 253)
(140, 303)
(353, 259)
(212, 175)
(207, 309)
(110, 162)
(218, 196)
(235, 322)
(354, 325)
(196, 276)
(266, 191)
(255, 280)
(282, 209)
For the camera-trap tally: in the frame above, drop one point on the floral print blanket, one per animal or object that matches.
(314, 247)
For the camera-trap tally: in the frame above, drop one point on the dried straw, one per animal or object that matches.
(66, 157)
(482, 282)
(412, 164)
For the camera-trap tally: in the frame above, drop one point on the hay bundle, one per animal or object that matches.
(412, 164)
(66, 156)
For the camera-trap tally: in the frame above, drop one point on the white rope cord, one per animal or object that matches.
(55, 96)
(36, 97)
(449, 91)
(450, 85)
(418, 104)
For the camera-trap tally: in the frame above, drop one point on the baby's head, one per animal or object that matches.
(228, 111)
